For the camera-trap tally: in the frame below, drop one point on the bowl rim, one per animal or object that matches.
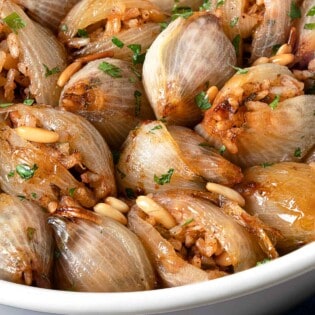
(258, 278)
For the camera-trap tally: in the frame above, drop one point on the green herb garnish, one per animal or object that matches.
(158, 127)
(298, 152)
(5, 105)
(83, 33)
(11, 174)
(220, 2)
(240, 70)
(264, 261)
(266, 164)
(206, 6)
(295, 12)
(202, 101)
(116, 41)
(309, 26)
(28, 102)
(164, 178)
(222, 149)
(137, 57)
(63, 27)
(236, 43)
(15, 22)
(49, 72)
(34, 195)
(234, 21)
(274, 103)
(183, 12)
(110, 69)
(311, 11)
(187, 222)
(25, 171)
(72, 191)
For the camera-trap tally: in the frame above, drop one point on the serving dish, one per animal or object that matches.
(273, 287)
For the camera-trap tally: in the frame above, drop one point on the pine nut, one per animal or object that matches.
(212, 93)
(117, 204)
(39, 135)
(283, 59)
(223, 260)
(284, 49)
(260, 61)
(108, 211)
(227, 192)
(68, 72)
(95, 56)
(161, 215)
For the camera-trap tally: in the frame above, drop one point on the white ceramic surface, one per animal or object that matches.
(267, 289)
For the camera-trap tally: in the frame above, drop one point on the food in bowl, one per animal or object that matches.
(161, 149)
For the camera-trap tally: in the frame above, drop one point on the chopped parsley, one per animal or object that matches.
(72, 191)
(236, 43)
(28, 101)
(204, 144)
(49, 72)
(311, 11)
(25, 171)
(234, 21)
(11, 174)
(266, 164)
(163, 25)
(136, 73)
(240, 70)
(202, 101)
(298, 152)
(21, 197)
(264, 261)
(117, 42)
(187, 222)
(207, 4)
(5, 105)
(158, 127)
(222, 149)
(184, 12)
(110, 69)
(137, 94)
(164, 178)
(309, 26)
(30, 233)
(34, 195)
(274, 103)
(14, 22)
(220, 3)
(83, 33)
(121, 174)
(137, 57)
(295, 12)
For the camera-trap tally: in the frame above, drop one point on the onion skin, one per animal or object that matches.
(282, 196)
(46, 12)
(109, 103)
(205, 159)
(240, 245)
(38, 48)
(101, 256)
(26, 244)
(51, 178)
(144, 35)
(151, 152)
(274, 29)
(172, 78)
(252, 131)
(306, 40)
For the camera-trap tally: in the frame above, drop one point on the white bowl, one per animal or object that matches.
(266, 289)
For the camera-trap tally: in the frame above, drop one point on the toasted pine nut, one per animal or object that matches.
(2, 59)
(260, 61)
(13, 45)
(161, 215)
(68, 72)
(227, 192)
(39, 135)
(283, 59)
(284, 49)
(260, 2)
(52, 206)
(311, 65)
(223, 260)
(212, 93)
(109, 211)
(117, 204)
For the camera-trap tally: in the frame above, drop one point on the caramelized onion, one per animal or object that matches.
(98, 255)
(25, 242)
(282, 196)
